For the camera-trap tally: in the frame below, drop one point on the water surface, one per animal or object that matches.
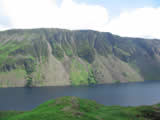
(125, 94)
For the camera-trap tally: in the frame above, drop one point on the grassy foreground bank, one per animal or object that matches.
(73, 108)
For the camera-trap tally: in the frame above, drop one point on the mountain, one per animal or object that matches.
(57, 57)
(73, 108)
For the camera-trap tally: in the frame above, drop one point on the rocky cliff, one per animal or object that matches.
(57, 57)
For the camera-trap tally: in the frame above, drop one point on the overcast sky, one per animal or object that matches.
(133, 18)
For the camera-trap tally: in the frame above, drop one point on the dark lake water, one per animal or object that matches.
(126, 94)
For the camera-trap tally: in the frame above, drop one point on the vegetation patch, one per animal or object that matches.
(67, 49)
(78, 73)
(123, 55)
(73, 108)
(30, 67)
(7, 49)
(124, 74)
(16, 75)
(121, 51)
(57, 51)
(91, 76)
(68, 52)
(117, 81)
(86, 52)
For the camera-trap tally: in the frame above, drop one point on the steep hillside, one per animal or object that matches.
(73, 108)
(54, 57)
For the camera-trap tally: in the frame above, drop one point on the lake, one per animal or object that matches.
(124, 94)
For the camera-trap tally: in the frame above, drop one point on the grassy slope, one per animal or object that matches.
(81, 73)
(78, 73)
(6, 78)
(72, 108)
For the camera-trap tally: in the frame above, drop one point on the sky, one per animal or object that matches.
(131, 18)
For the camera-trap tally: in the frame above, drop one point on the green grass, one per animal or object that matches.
(73, 108)
(38, 76)
(117, 81)
(57, 51)
(122, 52)
(19, 73)
(7, 49)
(81, 75)
(6, 115)
(78, 73)
(91, 76)
(68, 52)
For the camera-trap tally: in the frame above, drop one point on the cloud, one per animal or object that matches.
(141, 22)
(46, 13)
(4, 20)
